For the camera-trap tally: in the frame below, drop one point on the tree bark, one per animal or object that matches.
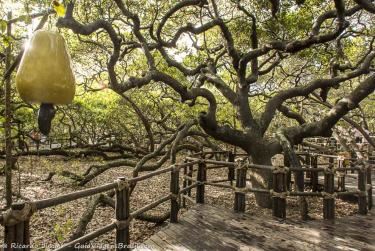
(262, 178)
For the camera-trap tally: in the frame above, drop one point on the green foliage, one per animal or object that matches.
(62, 230)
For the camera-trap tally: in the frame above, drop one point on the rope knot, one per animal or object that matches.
(329, 170)
(242, 190)
(279, 169)
(175, 168)
(328, 195)
(122, 184)
(281, 195)
(122, 224)
(175, 196)
(362, 193)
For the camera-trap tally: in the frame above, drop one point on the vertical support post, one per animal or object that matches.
(308, 164)
(352, 157)
(328, 199)
(122, 209)
(201, 178)
(341, 175)
(239, 196)
(314, 175)
(299, 186)
(231, 172)
(174, 189)
(26, 236)
(362, 201)
(19, 229)
(17, 237)
(184, 184)
(190, 175)
(9, 237)
(289, 174)
(369, 181)
(279, 189)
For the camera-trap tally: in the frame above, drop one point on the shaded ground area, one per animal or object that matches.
(206, 227)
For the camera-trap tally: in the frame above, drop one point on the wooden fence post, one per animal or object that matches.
(341, 175)
(352, 156)
(174, 189)
(314, 175)
(299, 185)
(328, 197)
(231, 172)
(17, 237)
(184, 184)
(289, 174)
(369, 181)
(122, 209)
(239, 196)
(26, 236)
(201, 178)
(362, 201)
(190, 175)
(9, 237)
(308, 165)
(279, 193)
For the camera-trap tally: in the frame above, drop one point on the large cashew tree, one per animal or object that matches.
(263, 58)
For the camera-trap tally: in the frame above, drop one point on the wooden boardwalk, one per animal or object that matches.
(206, 227)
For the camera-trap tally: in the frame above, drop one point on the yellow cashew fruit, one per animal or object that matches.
(45, 74)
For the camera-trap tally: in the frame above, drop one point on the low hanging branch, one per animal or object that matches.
(74, 154)
(139, 166)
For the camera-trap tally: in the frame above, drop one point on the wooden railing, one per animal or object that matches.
(17, 219)
(281, 182)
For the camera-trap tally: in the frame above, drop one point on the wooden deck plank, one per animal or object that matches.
(302, 231)
(345, 235)
(208, 234)
(150, 244)
(206, 227)
(183, 237)
(258, 230)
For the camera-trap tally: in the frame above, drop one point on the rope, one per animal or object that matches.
(199, 182)
(121, 225)
(280, 169)
(368, 186)
(363, 168)
(175, 196)
(13, 217)
(281, 195)
(242, 190)
(340, 174)
(362, 193)
(328, 195)
(176, 168)
(328, 170)
(122, 184)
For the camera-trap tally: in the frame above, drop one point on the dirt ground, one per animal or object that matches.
(53, 226)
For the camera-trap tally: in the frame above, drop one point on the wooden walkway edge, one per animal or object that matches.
(205, 227)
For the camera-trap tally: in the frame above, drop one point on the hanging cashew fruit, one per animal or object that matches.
(45, 75)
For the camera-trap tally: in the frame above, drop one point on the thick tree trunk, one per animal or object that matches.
(262, 178)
